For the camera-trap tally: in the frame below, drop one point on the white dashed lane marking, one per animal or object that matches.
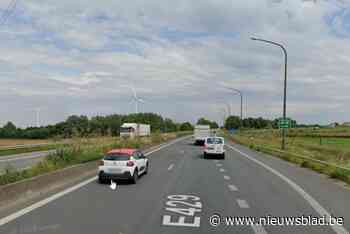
(219, 165)
(232, 187)
(227, 177)
(242, 204)
(170, 167)
(222, 170)
(258, 229)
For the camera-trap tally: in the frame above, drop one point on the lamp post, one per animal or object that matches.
(285, 84)
(241, 95)
(223, 111)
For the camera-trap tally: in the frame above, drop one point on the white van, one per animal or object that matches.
(214, 146)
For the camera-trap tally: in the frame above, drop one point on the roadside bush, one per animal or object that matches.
(341, 174)
(9, 177)
(156, 138)
(317, 167)
(185, 133)
(305, 164)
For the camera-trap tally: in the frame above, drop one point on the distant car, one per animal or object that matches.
(214, 146)
(127, 164)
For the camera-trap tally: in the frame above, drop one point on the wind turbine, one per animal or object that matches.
(37, 115)
(136, 99)
(36, 111)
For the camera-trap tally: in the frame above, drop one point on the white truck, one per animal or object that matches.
(135, 130)
(200, 133)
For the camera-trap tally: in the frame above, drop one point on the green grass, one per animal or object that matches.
(343, 143)
(79, 152)
(304, 143)
(8, 152)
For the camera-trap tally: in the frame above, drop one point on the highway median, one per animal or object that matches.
(82, 151)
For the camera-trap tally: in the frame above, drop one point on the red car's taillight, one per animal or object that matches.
(101, 163)
(130, 164)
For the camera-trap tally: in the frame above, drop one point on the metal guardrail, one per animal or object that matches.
(24, 146)
(30, 145)
(307, 158)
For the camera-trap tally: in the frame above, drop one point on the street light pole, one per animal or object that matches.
(223, 111)
(228, 109)
(285, 84)
(241, 95)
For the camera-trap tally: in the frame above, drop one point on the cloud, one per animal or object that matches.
(78, 56)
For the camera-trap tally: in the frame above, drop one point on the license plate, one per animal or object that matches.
(114, 170)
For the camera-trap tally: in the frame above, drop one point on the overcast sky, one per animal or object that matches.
(79, 57)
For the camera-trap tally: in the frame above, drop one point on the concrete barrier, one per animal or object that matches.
(17, 194)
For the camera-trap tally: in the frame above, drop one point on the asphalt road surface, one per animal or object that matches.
(183, 190)
(22, 161)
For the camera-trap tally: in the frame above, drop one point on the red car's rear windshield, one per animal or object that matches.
(117, 157)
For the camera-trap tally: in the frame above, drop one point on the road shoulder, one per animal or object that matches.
(333, 197)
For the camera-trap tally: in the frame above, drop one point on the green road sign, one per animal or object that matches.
(284, 123)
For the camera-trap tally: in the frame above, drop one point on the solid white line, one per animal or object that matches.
(232, 187)
(226, 177)
(44, 202)
(170, 167)
(258, 229)
(222, 170)
(242, 204)
(41, 203)
(313, 203)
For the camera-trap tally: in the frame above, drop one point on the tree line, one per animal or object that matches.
(82, 126)
(234, 122)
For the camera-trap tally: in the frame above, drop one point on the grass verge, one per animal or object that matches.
(321, 162)
(79, 152)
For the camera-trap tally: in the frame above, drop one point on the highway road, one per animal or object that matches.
(22, 161)
(183, 190)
